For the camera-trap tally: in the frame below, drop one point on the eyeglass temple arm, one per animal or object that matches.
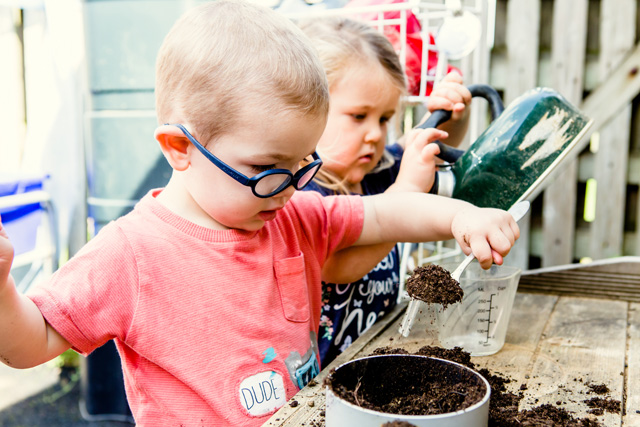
(209, 155)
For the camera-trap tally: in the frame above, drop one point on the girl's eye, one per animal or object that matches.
(359, 116)
(384, 120)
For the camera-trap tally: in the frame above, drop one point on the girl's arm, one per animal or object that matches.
(26, 339)
(418, 217)
(353, 263)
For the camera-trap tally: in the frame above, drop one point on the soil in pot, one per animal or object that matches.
(398, 424)
(407, 385)
(503, 405)
(434, 285)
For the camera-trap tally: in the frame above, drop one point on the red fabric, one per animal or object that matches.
(200, 316)
(413, 60)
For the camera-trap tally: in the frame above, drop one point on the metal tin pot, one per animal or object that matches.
(378, 372)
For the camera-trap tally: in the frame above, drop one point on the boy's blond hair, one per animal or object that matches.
(229, 57)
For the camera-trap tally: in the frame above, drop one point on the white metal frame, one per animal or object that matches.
(43, 259)
(430, 15)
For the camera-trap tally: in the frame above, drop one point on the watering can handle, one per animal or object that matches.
(450, 154)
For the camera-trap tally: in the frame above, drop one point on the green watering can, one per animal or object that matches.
(514, 156)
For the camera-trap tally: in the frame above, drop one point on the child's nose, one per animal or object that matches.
(374, 134)
(287, 192)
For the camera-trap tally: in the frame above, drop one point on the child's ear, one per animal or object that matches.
(174, 146)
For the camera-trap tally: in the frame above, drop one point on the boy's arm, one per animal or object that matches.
(417, 172)
(418, 217)
(26, 339)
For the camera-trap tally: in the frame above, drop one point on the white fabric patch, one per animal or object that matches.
(262, 393)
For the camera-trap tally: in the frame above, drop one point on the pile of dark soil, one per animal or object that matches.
(503, 405)
(407, 385)
(599, 405)
(433, 284)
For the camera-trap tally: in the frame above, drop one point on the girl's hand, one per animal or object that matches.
(488, 233)
(418, 167)
(450, 94)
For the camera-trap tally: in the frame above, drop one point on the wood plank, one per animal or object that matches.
(529, 318)
(556, 346)
(622, 86)
(632, 373)
(522, 35)
(559, 199)
(522, 40)
(617, 36)
(530, 310)
(584, 343)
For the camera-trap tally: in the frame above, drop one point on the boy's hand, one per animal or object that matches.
(488, 233)
(418, 167)
(450, 94)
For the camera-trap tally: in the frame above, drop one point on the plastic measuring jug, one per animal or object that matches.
(478, 324)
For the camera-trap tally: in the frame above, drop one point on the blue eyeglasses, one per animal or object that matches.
(265, 184)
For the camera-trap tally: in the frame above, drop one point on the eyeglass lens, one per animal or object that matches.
(272, 184)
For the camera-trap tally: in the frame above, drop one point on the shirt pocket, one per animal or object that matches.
(292, 285)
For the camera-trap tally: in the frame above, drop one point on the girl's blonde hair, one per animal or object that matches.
(342, 43)
(225, 57)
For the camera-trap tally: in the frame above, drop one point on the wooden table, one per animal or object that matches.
(558, 342)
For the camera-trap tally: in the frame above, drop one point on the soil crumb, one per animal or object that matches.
(598, 388)
(434, 285)
(503, 405)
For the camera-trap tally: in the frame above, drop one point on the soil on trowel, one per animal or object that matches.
(503, 405)
(434, 285)
(408, 386)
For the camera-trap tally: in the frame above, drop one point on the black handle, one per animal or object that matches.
(450, 154)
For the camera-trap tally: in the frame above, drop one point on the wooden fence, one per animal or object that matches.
(588, 51)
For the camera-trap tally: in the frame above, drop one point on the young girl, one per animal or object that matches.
(366, 83)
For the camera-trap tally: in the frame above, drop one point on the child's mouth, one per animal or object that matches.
(366, 158)
(267, 215)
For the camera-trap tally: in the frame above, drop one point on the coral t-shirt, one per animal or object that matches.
(213, 327)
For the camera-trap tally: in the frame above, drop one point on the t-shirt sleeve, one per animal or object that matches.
(333, 222)
(91, 298)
